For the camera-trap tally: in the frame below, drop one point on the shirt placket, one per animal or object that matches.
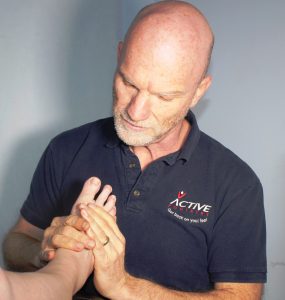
(139, 183)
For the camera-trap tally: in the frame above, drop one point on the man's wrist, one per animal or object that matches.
(126, 291)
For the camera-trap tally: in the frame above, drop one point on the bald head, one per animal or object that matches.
(174, 32)
(161, 74)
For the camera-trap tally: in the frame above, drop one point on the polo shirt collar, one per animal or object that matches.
(190, 144)
(112, 137)
(183, 154)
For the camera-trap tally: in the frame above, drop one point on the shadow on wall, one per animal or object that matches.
(86, 86)
(18, 174)
(92, 61)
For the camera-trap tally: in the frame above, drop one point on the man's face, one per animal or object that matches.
(151, 96)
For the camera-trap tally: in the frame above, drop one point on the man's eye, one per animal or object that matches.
(126, 83)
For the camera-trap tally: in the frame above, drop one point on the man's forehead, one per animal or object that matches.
(171, 30)
(160, 34)
(162, 52)
(160, 59)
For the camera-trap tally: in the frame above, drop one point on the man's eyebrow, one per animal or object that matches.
(160, 94)
(171, 93)
(125, 78)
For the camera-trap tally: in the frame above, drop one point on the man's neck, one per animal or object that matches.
(168, 144)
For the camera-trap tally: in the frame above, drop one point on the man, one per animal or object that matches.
(190, 217)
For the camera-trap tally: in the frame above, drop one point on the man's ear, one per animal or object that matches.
(201, 90)
(119, 50)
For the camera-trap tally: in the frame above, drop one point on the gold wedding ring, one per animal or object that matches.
(107, 241)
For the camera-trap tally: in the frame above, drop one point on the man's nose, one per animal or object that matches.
(139, 107)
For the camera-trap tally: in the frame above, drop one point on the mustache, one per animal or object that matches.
(124, 115)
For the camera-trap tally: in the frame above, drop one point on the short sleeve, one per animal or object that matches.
(237, 250)
(43, 200)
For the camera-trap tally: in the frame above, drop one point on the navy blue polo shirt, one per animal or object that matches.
(190, 219)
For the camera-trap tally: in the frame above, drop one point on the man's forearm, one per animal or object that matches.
(21, 252)
(141, 289)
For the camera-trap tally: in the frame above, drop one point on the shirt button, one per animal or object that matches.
(136, 193)
(132, 165)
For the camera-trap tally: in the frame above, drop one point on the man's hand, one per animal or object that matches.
(113, 282)
(109, 252)
(69, 232)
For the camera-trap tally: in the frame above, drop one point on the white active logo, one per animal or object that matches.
(181, 204)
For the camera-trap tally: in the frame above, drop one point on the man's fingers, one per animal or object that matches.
(101, 227)
(69, 238)
(89, 190)
(102, 216)
(105, 249)
(72, 220)
(62, 241)
(71, 233)
(79, 236)
(47, 255)
(108, 245)
(76, 222)
(58, 221)
(96, 231)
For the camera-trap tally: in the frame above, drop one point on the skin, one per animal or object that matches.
(58, 235)
(53, 281)
(50, 282)
(38, 246)
(161, 74)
